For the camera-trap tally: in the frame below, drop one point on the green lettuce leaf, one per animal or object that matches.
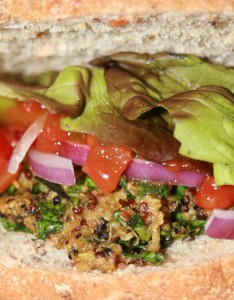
(70, 88)
(108, 124)
(128, 94)
(204, 125)
(168, 74)
(65, 95)
(45, 79)
(124, 104)
(5, 103)
(224, 173)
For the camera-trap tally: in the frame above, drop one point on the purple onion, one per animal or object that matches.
(52, 167)
(220, 225)
(146, 170)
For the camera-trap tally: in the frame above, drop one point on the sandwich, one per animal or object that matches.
(116, 159)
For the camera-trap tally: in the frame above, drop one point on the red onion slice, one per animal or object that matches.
(137, 169)
(220, 225)
(52, 167)
(25, 143)
(76, 152)
(146, 170)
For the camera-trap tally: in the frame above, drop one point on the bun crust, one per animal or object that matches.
(213, 279)
(27, 10)
(199, 269)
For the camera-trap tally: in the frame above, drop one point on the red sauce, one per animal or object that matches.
(188, 164)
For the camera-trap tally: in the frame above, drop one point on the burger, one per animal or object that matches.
(116, 158)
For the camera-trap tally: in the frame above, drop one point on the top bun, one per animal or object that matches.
(39, 35)
(50, 10)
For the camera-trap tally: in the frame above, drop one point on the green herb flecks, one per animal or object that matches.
(135, 252)
(82, 185)
(36, 189)
(11, 189)
(52, 186)
(146, 188)
(123, 183)
(180, 191)
(51, 219)
(14, 226)
(148, 256)
(140, 227)
(181, 229)
(90, 183)
(118, 217)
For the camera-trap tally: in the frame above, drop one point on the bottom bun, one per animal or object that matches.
(32, 269)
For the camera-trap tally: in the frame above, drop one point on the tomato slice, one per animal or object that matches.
(13, 134)
(211, 196)
(23, 113)
(6, 178)
(91, 141)
(49, 140)
(105, 164)
(3, 165)
(5, 147)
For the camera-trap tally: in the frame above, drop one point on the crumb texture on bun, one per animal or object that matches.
(194, 270)
(39, 35)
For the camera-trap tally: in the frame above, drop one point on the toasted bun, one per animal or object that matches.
(200, 269)
(36, 36)
(40, 35)
(50, 10)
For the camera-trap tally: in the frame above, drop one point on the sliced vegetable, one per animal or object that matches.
(23, 114)
(52, 167)
(146, 170)
(49, 139)
(105, 165)
(76, 152)
(6, 179)
(220, 225)
(108, 125)
(23, 92)
(5, 147)
(211, 196)
(137, 168)
(25, 143)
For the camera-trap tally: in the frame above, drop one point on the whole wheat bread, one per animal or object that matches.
(42, 35)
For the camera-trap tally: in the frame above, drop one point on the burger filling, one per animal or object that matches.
(115, 162)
